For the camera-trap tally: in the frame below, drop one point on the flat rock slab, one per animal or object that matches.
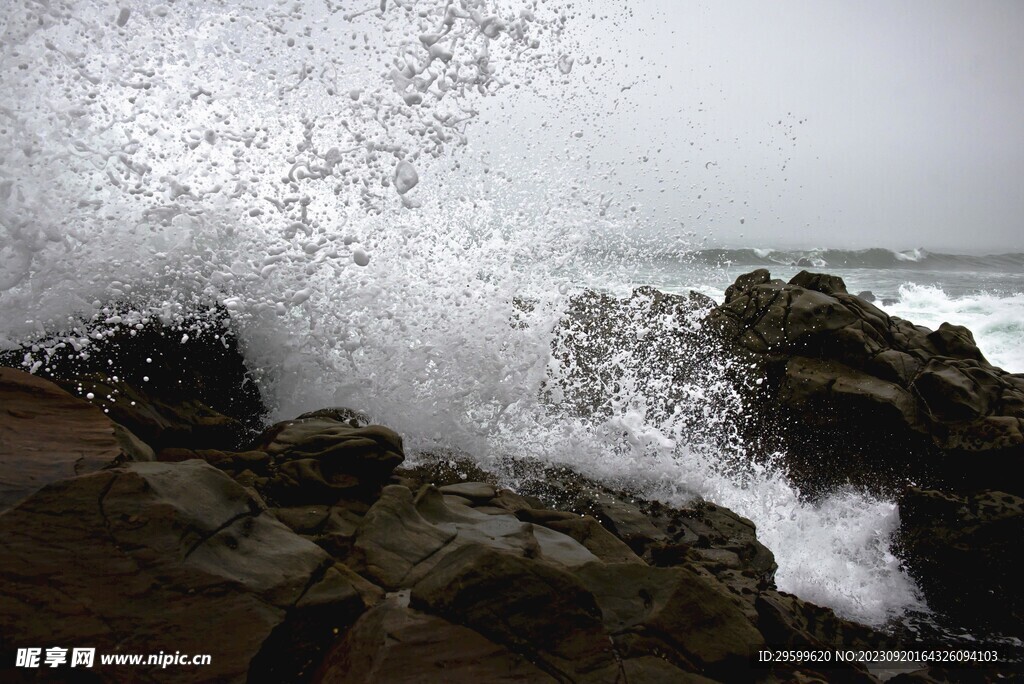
(393, 643)
(47, 435)
(525, 604)
(474, 491)
(401, 539)
(159, 556)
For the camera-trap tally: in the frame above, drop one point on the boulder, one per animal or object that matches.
(402, 538)
(48, 435)
(322, 458)
(851, 393)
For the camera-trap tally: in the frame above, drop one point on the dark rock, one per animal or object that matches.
(585, 530)
(626, 521)
(394, 538)
(393, 643)
(849, 393)
(168, 390)
(746, 281)
(944, 675)
(321, 459)
(402, 539)
(527, 605)
(341, 414)
(696, 623)
(962, 550)
(197, 565)
(788, 622)
(819, 282)
(303, 519)
(223, 460)
(956, 342)
(48, 435)
(867, 296)
(513, 502)
(473, 491)
(651, 669)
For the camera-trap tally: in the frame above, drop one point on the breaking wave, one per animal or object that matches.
(306, 167)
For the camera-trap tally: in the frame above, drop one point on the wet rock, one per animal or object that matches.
(586, 530)
(394, 643)
(198, 567)
(402, 538)
(961, 550)
(341, 414)
(788, 621)
(657, 670)
(322, 459)
(627, 522)
(303, 519)
(676, 612)
(851, 393)
(49, 435)
(169, 389)
(224, 460)
(394, 538)
(527, 605)
(473, 491)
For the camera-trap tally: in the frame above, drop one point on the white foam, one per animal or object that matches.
(997, 321)
(911, 255)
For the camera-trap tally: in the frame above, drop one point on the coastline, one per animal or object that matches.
(312, 542)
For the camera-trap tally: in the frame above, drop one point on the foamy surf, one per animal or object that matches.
(996, 320)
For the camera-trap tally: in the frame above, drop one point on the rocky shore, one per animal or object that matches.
(145, 507)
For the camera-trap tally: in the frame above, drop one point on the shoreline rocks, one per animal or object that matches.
(308, 552)
(851, 393)
(211, 553)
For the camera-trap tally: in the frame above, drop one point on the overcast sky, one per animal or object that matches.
(841, 124)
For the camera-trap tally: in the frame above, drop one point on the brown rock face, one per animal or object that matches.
(854, 392)
(321, 458)
(161, 556)
(674, 611)
(48, 435)
(535, 607)
(394, 643)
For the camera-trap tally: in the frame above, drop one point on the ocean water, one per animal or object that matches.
(324, 173)
(983, 293)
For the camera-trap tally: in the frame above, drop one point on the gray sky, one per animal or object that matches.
(841, 124)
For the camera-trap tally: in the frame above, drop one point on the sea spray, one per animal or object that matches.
(298, 165)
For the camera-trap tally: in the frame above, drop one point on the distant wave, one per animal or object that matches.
(918, 259)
